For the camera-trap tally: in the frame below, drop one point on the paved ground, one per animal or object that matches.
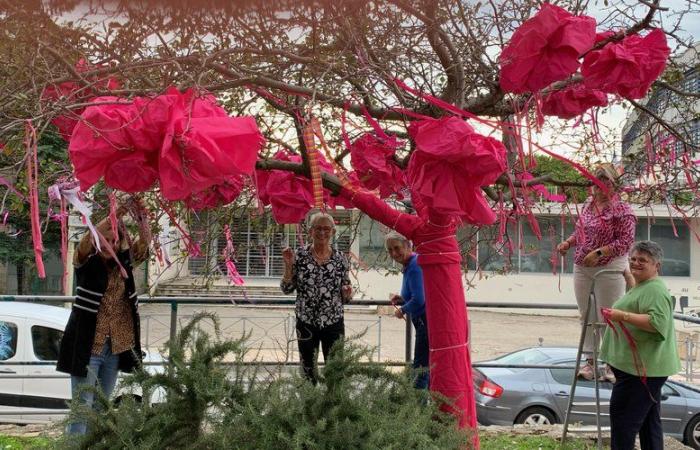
(272, 330)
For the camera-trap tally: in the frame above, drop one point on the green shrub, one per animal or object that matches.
(212, 406)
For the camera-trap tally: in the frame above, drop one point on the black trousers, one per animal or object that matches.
(421, 352)
(636, 408)
(308, 338)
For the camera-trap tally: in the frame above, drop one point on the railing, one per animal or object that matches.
(174, 319)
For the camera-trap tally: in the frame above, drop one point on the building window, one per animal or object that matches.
(371, 239)
(676, 249)
(691, 82)
(497, 256)
(521, 251)
(258, 242)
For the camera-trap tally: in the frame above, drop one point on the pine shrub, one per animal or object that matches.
(211, 405)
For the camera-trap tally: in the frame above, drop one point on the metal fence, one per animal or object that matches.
(263, 329)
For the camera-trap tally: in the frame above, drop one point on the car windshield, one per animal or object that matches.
(690, 387)
(526, 356)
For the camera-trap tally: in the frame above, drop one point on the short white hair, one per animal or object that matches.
(394, 236)
(314, 218)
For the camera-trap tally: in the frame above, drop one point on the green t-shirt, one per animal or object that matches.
(657, 350)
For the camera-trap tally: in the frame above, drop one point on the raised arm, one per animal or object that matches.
(378, 210)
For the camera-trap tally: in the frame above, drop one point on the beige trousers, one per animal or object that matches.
(608, 288)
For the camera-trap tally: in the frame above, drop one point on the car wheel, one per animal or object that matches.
(692, 433)
(536, 416)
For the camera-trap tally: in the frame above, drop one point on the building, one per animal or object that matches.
(520, 269)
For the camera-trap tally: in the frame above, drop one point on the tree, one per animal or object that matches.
(287, 62)
(16, 242)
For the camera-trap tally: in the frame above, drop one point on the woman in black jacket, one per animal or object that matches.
(102, 336)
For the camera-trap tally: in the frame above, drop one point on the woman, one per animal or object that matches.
(603, 235)
(102, 336)
(641, 367)
(319, 274)
(413, 301)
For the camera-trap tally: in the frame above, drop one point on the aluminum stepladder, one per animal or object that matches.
(595, 328)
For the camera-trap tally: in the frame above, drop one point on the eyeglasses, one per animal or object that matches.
(640, 260)
(324, 229)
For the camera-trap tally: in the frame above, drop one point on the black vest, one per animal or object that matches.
(79, 335)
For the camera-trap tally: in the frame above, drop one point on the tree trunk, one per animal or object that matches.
(20, 278)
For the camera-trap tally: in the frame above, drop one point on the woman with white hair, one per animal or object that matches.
(319, 275)
(412, 299)
(640, 346)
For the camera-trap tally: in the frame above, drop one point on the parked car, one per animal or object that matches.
(540, 396)
(30, 335)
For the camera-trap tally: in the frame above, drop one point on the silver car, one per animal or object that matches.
(540, 396)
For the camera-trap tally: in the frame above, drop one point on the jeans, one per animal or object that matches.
(421, 351)
(308, 338)
(636, 408)
(102, 369)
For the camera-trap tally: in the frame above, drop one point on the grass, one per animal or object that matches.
(488, 442)
(519, 442)
(19, 443)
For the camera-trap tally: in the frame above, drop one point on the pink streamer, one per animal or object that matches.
(229, 253)
(30, 141)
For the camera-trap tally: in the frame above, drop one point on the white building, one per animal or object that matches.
(523, 274)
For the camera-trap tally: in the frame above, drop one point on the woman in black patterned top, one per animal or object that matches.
(319, 274)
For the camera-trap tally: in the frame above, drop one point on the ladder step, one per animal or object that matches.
(587, 429)
(590, 403)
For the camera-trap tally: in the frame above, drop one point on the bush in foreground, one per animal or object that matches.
(213, 406)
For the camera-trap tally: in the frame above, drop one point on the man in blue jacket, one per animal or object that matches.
(412, 300)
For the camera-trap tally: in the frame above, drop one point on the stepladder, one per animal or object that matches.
(579, 408)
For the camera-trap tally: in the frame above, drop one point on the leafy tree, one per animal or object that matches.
(16, 247)
(558, 173)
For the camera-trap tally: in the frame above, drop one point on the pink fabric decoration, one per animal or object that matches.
(98, 140)
(373, 160)
(450, 164)
(542, 190)
(135, 172)
(199, 152)
(229, 254)
(30, 142)
(71, 91)
(572, 101)
(290, 195)
(184, 140)
(627, 68)
(544, 49)
(440, 260)
(217, 195)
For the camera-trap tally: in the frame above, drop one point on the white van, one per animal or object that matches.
(31, 390)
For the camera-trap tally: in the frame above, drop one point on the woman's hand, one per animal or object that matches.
(591, 259)
(288, 257)
(346, 293)
(564, 247)
(613, 314)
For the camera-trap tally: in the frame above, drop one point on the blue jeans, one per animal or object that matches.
(102, 369)
(420, 352)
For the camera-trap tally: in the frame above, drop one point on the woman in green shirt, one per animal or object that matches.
(646, 311)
